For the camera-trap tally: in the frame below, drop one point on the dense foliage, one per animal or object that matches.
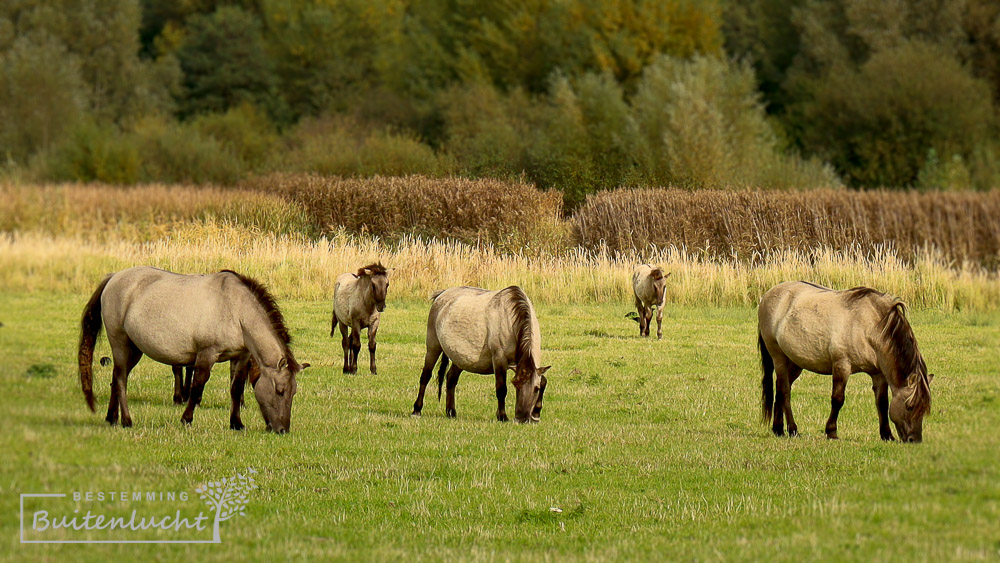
(575, 95)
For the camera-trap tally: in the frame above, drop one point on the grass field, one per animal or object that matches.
(650, 449)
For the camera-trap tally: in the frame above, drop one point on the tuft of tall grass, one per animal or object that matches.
(754, 225)
(300, 268)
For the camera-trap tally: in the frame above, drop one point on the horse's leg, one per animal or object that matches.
(430, 358)
(451, 383)
(202, 371)
(121, 381)
(238, 368)
(881, 389)
(783, 368)
(841, 373)
(372, 331)
(178, 384)
(355, 346)
(345, 342)
(641, 312)
(500, 371)
(188, 377)
(659, 322)
(649, 319)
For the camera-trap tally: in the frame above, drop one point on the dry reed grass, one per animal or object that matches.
(751, 225)
(511, 216)
(145, 212)
(298, 268)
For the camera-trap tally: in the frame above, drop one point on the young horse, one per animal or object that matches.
(648, 285)
(358, 301)
(191, 320)
(806, 326)
(486, 332)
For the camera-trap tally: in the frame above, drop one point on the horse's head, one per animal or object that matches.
(909, 405)
(379, 277)
(659, 283)
(275, 390)
(529, 386)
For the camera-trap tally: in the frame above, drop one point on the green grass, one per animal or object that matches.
(650, 449)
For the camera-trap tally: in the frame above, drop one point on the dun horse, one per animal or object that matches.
(358, 301)
(838, 333)
(486, 332)
(649, 287)
(194, 320)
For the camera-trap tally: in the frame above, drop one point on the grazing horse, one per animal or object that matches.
(358, 301)
(648, 285)
(182, 320)
(486, 332)
(807, 326)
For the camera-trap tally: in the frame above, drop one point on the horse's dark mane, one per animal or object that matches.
(270, 306)
(898, 335)
(859, 293)
(656, 274)
(376, 269)
(522, 327)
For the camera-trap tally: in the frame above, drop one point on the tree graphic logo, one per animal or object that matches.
(227, 497)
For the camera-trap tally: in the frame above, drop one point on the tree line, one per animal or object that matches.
(575, 95)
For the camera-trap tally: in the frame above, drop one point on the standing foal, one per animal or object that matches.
(358, 300)
(649, 284)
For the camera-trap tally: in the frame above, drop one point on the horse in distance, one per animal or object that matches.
(486, 332)
(198, 320)
(649, 287)
(358, 302)
(839, 333)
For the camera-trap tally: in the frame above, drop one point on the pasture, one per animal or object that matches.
(649, 449)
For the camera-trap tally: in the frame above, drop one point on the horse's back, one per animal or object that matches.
(459, 321)
(815, 326)
(170, 316)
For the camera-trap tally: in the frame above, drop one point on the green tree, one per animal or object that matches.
(225, 63)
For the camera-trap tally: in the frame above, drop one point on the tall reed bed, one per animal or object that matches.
(752, 225)
(300, 268)
(510, 216)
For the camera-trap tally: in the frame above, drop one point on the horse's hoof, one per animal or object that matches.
(236, 425)
(888, 438)
(792, 432)
(778, 431)
(186, 421)
(415, 414)
(502, 418)
(178, 400)
(126, 423)
(832, 436)
(374, 372)
(450, 413)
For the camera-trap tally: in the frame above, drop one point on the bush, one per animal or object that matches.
(94, 153)
(343, 147)
(244, 132)
(179, 153)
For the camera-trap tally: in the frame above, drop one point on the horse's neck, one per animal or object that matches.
(260, 337)
(887, 366)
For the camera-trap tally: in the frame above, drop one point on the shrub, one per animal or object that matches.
(179, 153)
(244, 132)
(94, 153)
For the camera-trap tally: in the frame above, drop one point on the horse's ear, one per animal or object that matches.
(282, 364)
(304, 366)
(912, 380)
(930, 377)
(542, 370)
(668, 275)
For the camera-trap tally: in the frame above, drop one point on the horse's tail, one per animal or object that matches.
(90, 328)
(441, 371)
(333, 321)
(767, 381)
